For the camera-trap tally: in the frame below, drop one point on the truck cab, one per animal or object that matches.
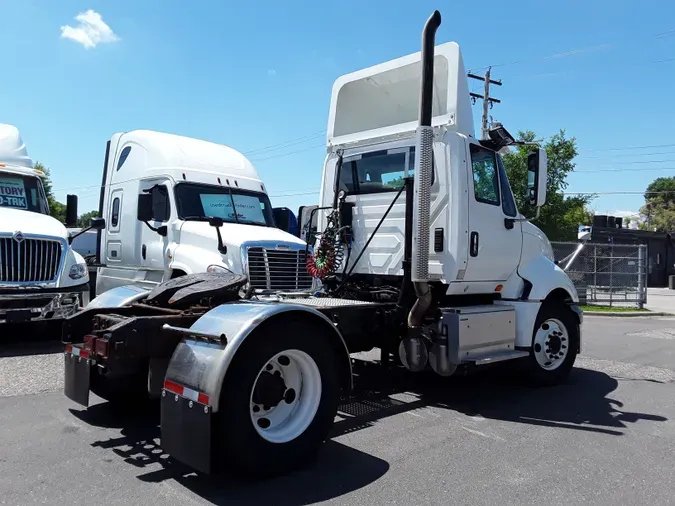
(480, 244)
(41, 277)
(176, 205)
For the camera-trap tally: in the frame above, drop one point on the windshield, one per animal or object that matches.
(233, 205)
(22, 192)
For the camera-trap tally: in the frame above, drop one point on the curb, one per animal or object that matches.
(626, 314)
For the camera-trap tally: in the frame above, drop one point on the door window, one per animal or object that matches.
(485, 175)
(115, 215)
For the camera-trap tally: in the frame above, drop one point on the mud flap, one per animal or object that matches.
(76, 379)
(186, 431)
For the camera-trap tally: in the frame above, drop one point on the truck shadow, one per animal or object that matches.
(583, 403)
(18, 348)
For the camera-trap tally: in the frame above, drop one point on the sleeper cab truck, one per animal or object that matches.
(422, 254)
(175, 205)
(42, 279)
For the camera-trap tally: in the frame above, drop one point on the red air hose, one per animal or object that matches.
(322, 262)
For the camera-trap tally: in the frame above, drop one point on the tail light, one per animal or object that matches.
(89, 342)
(101, 347)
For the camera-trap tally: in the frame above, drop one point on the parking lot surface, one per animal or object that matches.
(607, 436)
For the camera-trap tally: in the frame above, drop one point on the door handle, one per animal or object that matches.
(143, 251)
(473, 251)
(509, 223)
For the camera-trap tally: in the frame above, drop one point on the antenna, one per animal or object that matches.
(486, 98)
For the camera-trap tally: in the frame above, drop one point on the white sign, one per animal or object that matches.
(248, 209)
(13, 193)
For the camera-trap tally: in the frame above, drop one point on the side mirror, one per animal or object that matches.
(71, 211)
(285, 220)
(537, 174)
(97, 224)
(307, 222)
(144, 212)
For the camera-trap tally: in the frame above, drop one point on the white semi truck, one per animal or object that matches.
(41, 278)
(175, 205)
(422, 254)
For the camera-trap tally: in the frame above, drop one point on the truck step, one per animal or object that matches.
(499, 357)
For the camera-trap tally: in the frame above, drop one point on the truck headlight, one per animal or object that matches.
(217, 268)
(78, 271)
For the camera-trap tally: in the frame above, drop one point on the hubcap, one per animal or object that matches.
(285, 396)
(551, 344)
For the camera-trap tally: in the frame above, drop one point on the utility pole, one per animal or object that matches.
(487, 99)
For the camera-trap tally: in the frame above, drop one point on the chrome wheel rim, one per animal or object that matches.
(551, 344)
(285, 396)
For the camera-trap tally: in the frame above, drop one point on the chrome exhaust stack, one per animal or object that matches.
(413, 349)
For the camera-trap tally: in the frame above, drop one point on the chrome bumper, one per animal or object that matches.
(41, 305)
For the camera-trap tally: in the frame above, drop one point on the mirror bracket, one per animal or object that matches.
(216, 223)
(161, 230)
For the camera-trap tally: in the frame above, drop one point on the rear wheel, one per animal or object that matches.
(554, 344)
(278, 401)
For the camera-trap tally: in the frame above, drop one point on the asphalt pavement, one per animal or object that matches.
(605, 437)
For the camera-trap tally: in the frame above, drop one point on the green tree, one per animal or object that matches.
(659, 207)
(84, 219)
(56, 208)
(561, 215)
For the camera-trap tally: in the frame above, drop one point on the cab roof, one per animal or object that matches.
(383, 100)
(146, 150)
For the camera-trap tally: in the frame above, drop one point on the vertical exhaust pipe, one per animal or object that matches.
(423, 173)
(412, 349)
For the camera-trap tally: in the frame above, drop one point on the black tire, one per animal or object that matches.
(556, 310)
(239, 448)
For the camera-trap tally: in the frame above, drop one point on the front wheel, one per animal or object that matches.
(278, 402)
(554, 344)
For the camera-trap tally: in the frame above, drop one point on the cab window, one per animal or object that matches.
(377, 171)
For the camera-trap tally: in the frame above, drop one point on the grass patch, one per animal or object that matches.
(613, 309)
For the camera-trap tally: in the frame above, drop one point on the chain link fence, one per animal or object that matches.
(605, 274)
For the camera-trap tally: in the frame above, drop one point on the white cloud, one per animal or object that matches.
(90, 32)
(272, 72)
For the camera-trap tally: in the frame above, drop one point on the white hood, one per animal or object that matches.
(27, 222)
(234, 234)
(196, 245)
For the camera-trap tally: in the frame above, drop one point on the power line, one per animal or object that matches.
(286, 144)
(653, 153)
(322, 145)
(574, 52)
(620, 193)
(622, 170)
(625, 148)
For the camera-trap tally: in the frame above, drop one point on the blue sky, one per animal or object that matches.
(258, 75)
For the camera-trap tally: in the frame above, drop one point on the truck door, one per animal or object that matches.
(152, 246)
(495, 242)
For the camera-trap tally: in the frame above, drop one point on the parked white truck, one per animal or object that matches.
(41, 277)
(174, 205)
(449, 277)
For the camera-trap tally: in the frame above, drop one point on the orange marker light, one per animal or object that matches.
(498, 288)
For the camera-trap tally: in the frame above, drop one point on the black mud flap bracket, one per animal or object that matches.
(77, 375)
(186, 431)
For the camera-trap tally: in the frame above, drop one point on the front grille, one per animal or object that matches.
(28, 261)
(275, 269)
